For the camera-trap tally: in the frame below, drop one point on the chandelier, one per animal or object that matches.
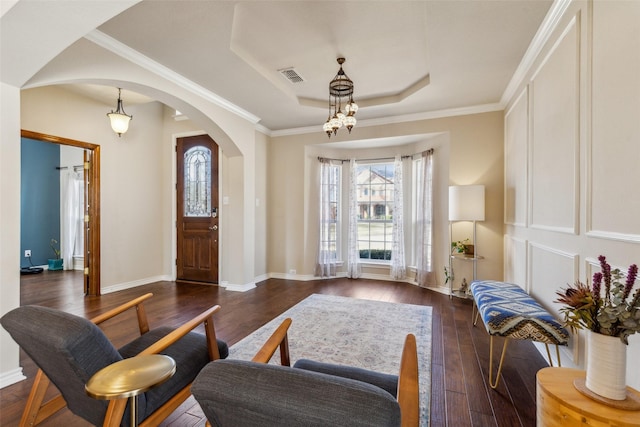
(119, 119)
(340, 96)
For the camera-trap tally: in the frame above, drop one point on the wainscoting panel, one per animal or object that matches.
(555, 137)
(550, 270)
(515, 160)
(515, 260)
(612, 173)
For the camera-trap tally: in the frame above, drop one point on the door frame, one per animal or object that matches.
(92, 247)
(174, 203)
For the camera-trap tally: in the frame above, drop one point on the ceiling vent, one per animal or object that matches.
(292, 75)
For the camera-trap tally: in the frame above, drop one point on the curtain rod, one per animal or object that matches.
(67, 167)
(429, 151)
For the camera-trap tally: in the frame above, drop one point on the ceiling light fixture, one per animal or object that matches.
(340, 95)
(119, 119)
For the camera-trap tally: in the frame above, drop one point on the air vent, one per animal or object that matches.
(292, 75)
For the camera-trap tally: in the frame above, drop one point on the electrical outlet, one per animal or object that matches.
(292, 271)
(27, 253)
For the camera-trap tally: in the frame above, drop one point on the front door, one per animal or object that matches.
(197, 210)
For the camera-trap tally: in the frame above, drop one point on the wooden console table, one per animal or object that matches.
(559, 403)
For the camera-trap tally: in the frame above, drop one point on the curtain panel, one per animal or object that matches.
(425, 276)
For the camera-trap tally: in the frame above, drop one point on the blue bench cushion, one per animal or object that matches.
(508, 311)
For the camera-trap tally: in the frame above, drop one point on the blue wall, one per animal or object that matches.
(39, 200)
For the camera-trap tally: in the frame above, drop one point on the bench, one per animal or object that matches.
(508, 311)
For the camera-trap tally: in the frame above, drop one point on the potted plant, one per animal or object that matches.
(610, 316)
(55, 263)
(462, 247)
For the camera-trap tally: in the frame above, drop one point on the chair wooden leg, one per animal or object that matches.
(504, 351)
(35, 412)
(115, 412)
(165, 410)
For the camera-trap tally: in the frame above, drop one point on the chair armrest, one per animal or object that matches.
(278, 338)
(408, 387)
(143, 323)
(205, 317)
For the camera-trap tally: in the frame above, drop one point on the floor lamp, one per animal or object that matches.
(466, 203)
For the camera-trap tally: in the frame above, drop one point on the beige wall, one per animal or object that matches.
(468, 151)
(571, 141)
(10, 370)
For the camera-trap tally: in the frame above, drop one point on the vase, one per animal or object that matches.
(55, 264)
(606, 366)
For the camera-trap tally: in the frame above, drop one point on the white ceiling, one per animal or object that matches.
(405, 57)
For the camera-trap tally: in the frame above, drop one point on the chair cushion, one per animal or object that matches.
(386, 382)
(190, 354)
(248, 394)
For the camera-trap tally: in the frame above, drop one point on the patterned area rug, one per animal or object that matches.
(356, 332)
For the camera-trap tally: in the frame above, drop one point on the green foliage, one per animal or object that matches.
(381, 254)
(458, 247)
(56, 251)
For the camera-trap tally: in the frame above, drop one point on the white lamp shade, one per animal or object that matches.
(466, 203)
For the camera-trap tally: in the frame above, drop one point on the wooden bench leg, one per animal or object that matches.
(504, 351)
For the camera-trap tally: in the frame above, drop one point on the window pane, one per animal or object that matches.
(197, 182)
(330, 218)
(375, 210)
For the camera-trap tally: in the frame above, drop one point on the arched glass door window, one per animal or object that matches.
(197, 182)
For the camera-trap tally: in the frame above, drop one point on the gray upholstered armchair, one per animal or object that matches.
(256, 394)
(69, 349)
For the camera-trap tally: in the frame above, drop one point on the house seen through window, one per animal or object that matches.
(375, 182)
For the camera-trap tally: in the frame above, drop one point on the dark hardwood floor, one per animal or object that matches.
(460, 395)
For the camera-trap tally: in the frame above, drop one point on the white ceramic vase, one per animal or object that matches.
(606, 366)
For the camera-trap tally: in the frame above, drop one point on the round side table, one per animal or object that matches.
(559, 403)
(129, 378)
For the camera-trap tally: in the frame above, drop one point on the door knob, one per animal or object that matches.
(213, 228)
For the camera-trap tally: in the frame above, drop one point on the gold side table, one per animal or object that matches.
(129, 378)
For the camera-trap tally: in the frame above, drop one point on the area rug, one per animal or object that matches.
(356, 332)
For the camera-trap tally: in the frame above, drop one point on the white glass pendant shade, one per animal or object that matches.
(119, 122)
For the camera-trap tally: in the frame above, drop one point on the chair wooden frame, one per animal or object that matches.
(36, 411)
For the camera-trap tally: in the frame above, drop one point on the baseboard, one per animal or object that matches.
(11, 377)
(237, 288)
(134, 284)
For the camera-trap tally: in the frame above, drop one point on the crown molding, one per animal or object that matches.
(429, 115)
(107, 42)
(549, 24)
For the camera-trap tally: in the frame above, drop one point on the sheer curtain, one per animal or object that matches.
(425, 276)
(354, 269)
(326, 260)
(398, 264)
(71, 219)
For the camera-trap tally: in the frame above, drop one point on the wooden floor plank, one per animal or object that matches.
(459, 395)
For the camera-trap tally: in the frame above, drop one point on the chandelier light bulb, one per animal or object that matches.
(327, 127)
(351, 107)
(350, 122)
